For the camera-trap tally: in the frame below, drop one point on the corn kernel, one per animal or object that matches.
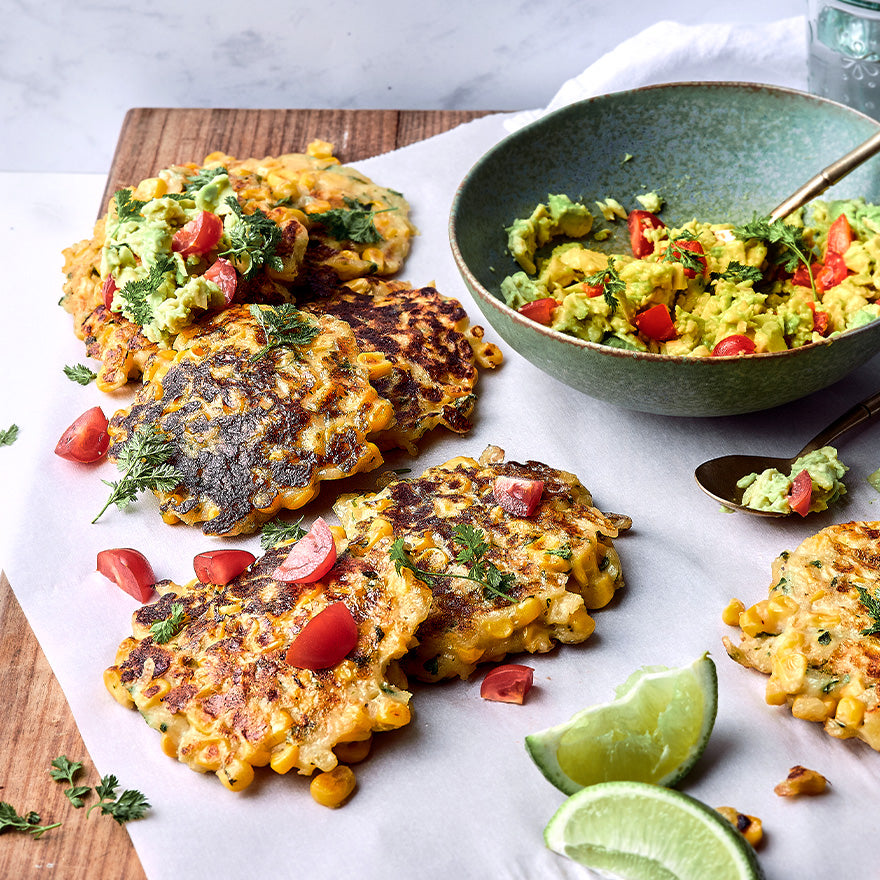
(731, 614)
(850, 712)
(284, 757)
(599, 593)
(811, 708)
(789, 670)
(799, 781)
(499, 628)
(151, 188)
(750, 827)
(528, 610)
(236, 775)
(113, 683)
(153, 693)
(392, 715)
(331, 789)
(353, 752)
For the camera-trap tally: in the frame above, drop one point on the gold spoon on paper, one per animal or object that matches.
(718, 476)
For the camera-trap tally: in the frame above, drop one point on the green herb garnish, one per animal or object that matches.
(737, 272)
(80, 373)
(11, 821)
(65, 770)
(9, 436)
(473, 549)
(792, 249)
(872, 605)
(283, 325)
(131, 804)
(278, 531)
(354, 223)
(689, 259)
(611, 284)
(165, 630)
(253, 238)
(137, 307)
(202, 177)
(128, 207)
(144, 461)
(563, 552)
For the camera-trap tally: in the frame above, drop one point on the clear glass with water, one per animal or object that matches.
(844, 52)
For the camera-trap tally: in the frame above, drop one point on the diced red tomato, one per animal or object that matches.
(325, 639)
(310, 558)
(832, 273)
(108, 288)
(801, 276)
(221, 566)
(129, 570)
(737, 343)
(840, 236)
(695, 248)
(86, 440)
(222, 273)
(638, 222)
(517, 495)
(508, 683)
(198, 236)
(656, 323)
(801, 493)
(820, 320)
(594, 289)
(540, 310)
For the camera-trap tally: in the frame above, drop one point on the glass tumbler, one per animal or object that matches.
(844, 52)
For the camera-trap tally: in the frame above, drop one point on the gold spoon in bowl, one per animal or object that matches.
(718, 476)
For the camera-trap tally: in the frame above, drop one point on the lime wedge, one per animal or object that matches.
(653, 731)
(638, 831)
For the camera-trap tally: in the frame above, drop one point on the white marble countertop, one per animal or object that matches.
(70, 70)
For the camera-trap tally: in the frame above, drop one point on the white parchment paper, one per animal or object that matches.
(454, 794)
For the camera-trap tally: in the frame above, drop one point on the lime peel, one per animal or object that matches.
(646, 832)
(654, 731)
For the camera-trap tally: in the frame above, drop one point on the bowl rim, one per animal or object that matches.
(510, 313)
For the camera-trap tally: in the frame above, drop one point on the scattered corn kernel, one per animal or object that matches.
(799, 781)
(750, 827)
(731, 613)
(331, 789)
(353, 752)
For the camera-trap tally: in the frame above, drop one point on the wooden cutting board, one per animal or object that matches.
(36, 725)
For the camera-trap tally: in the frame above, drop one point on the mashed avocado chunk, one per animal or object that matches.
(770, 489)
(747, 286)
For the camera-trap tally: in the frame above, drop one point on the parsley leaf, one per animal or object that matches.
(165, 630)
(80, 373)
(253, 240)
(473, 549)
(611, 283)
(131, 804)
(137, 307)
(283, 325)
(11, 821)
(791, 248)
(202, 177)
(128, 207)
(737, 272)
(354, 223)
(278, 531)
(145, 464)
(65, 770)
(675, 253)
(9, 436)
(872, 605)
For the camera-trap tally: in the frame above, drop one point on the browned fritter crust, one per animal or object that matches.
(221, 691)
(431, 351)
(253, 436)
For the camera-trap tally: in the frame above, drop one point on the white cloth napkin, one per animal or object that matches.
(669, 51)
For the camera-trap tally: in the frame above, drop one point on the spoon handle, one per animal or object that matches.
(861, 412)
(835, 171)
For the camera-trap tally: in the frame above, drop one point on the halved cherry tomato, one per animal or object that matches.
(130, 571)
(198, 236)
(592, 290)
(638, 222)
(518, 495)
(325, 639)
(840, 236)
(310, 558)
(736, 343)
(508, 683)
(801, 276)
(656, 323)
(222, 273)
(86, 440)
(694, 247)
(540, 310)
(832, 273)
(801, 493)
(221, 566)
(820, 320)
(108, 288)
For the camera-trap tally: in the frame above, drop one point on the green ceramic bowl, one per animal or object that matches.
(715, 151)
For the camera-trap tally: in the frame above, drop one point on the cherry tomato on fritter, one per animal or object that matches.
(540, 310)
(656, 323)
(221, 566)
(108, 289)
(840, 236)
(310, 558)
(517, 495)
(86, 440)
(222, 273)
(832, 273)
(801, 493)
(198, 236)
(325, 639)
(637, 223)
(508, 683)
(695, 248)
(737, 343)
(129, 569)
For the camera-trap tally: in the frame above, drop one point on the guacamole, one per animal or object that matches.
(699, 289)
(770, 489)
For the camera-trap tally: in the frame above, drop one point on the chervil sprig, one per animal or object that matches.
(792, 248)
(611, 283)
(80, 374)
(253, 240)
(283, 326)
(137, 307)
(129, 805)
(278, 531)
(872, 605)
(9, 435)
(352, 223)
(65, 770)
(30, 823)
(165, 630)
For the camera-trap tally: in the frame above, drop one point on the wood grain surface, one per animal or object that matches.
(36, 725)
